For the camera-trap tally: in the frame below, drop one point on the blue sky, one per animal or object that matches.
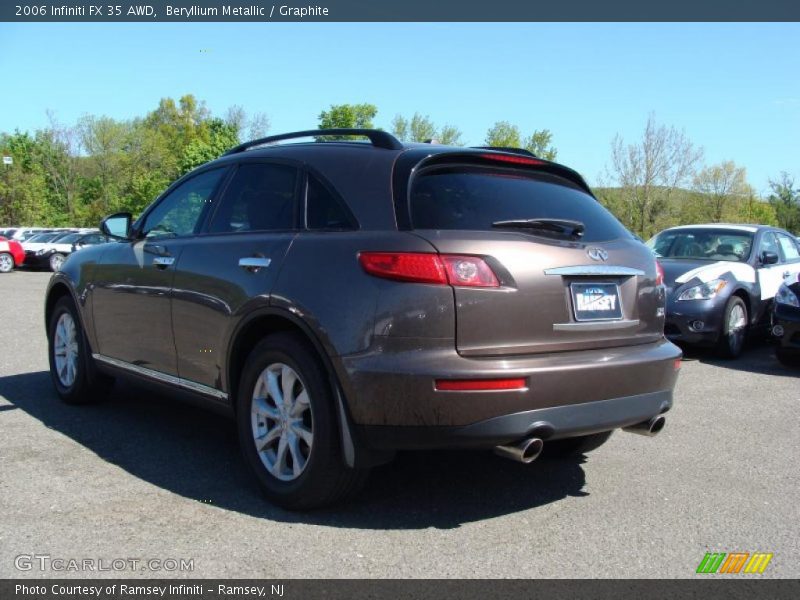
(733, 88)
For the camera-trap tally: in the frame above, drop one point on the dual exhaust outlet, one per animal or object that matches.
(529, 449)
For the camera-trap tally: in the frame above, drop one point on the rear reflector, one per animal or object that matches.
(421, 267)
(510, 158)
(478, 385)
(659, 274)
(677, 364)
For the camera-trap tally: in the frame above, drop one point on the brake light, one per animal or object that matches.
(659, 274)
(480, 385)
(421, 267)
(404, 266)
(510, 158)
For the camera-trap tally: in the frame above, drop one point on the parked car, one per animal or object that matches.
(721, 280)
(345, 300)
(53, 254)
(11, 255)
(786, 321)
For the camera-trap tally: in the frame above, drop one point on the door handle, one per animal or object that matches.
(162, 262)
(786, 274)
(254, 263)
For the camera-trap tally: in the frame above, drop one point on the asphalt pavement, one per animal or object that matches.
(142, 477)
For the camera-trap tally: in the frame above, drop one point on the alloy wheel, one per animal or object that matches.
(737, 322)
(282, 421)
(6, 263)
(65, 350)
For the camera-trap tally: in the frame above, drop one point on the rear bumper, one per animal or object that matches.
(393, 401)
(545, 423)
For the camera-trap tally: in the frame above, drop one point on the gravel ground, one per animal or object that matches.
(142, 477)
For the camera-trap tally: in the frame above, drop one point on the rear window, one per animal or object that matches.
(473, 198)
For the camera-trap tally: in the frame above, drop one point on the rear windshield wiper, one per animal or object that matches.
(566, 227)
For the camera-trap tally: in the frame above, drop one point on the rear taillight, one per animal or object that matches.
(480, 385)
(404, 266)
(420, 267)
(659, 274)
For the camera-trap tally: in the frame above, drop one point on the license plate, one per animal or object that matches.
(596, 301)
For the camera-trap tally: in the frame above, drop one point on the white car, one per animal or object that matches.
(53, 254)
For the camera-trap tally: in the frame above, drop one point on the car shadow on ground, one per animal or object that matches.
(758, 356)
(194, 453)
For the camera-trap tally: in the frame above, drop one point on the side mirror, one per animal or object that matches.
(768, 258)
(117, 226)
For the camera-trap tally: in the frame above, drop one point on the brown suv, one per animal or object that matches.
(345, 300)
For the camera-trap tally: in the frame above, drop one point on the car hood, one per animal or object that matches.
(678, 271)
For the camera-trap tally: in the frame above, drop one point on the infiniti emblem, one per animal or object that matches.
(597, 253)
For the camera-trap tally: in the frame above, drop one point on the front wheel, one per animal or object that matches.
(288, 428)
(734, 328)
(6, 262)
(56, 261)
(72, 368)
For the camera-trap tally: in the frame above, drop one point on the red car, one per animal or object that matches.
(11, 255)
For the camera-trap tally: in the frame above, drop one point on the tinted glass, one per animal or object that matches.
(69, 239)
(703, 244)
(324, 210)
(769, 244)
(178, 213)
(788, 247)
(474, 198)
(260, 197)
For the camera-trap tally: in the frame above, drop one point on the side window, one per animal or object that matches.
(789, 248)
(178, 213)
(323, 209)
(769, 244)
(260, 197)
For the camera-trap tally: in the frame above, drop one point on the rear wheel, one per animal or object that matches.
(56, 261)
(288, 428)
(6, 262)
(72, 368)
(575, 446)
(734, 328)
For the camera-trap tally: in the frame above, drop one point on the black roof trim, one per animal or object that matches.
(379, 139)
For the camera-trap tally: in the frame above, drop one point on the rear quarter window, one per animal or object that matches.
(472, 198)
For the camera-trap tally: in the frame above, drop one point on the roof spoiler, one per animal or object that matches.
(379, 139)
(510, 149)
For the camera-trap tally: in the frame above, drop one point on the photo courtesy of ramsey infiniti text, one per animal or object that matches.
(345, 299)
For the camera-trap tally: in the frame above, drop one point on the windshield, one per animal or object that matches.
(703, 244)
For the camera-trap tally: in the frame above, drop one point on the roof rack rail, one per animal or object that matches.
(507, 149)
(379, 139)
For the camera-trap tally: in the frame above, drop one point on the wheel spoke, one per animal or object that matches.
(288, 379)
(274, 389)
(303, 433)
(301, 404)
(262, 407)
(280, 455)
(269, 437)
(298, 460)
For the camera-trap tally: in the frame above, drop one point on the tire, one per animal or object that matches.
(575, 446)
(6, 262)
(72, 368)
(787, 358)
(56, 261)
(300, 464)
(734, 328)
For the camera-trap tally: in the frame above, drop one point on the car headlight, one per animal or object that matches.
(40, 252)
(704, 291)
(786, 296)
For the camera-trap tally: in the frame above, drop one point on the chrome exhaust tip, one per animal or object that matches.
(525, 451)
(651, 427)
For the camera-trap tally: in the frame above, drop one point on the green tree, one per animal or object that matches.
(721, 185)
(506, 135)
(347, 116)
(785, 201)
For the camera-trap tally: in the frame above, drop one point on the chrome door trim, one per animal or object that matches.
(164, 261)
(596, 270)
(162, 377)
